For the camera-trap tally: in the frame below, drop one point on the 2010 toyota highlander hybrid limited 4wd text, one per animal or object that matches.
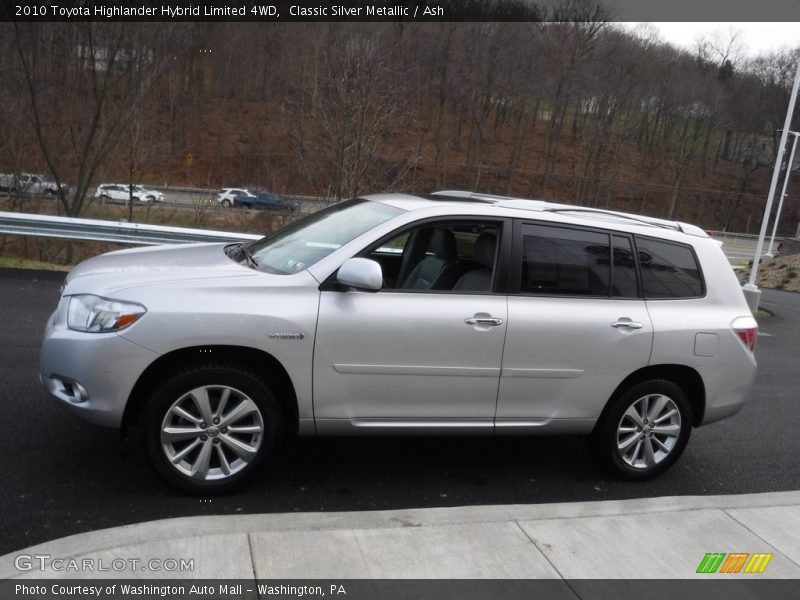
(394, 314)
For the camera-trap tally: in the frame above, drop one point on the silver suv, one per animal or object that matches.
(396, 314)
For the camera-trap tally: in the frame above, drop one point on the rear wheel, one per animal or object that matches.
(210, 428)
(645, 430)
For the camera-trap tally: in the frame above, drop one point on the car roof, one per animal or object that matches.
(523, 208)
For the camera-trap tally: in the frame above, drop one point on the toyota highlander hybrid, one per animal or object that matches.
(452, 313)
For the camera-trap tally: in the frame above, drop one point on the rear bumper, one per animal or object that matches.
(727, 388)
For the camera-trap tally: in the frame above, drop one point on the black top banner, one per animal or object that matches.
(420, 11)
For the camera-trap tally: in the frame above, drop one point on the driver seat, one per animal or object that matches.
(436, 271)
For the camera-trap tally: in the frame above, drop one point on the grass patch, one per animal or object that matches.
(13, 262)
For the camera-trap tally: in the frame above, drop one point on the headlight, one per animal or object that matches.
(99, 315)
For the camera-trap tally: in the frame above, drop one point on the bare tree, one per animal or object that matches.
(82, 82)
(353, 107)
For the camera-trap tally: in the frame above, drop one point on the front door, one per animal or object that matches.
(410, 358)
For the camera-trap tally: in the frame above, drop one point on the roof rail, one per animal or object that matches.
(479, 197)
(547, 207)
(674, 225)
(462, 195)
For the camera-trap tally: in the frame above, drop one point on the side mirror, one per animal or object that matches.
(361, 273)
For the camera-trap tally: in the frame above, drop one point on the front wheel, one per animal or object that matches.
(226, 203)
(210, 428)
(645, 430)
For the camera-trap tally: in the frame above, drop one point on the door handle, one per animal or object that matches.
(483, 321)
(629, 324)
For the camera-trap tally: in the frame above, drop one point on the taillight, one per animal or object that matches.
(747, 330)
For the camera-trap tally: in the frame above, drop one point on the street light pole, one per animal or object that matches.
(783, 191)
(751, 291)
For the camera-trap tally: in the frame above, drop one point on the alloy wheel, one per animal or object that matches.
(212, 432)
(648, 431)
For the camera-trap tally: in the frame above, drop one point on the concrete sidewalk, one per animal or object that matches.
(650, 538)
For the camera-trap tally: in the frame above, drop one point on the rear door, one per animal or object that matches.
(577, 326)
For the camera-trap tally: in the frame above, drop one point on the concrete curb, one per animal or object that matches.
(336, 525)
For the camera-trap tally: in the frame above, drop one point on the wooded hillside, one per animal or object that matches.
(577, 112)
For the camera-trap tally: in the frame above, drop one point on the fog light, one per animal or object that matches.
(71, 389)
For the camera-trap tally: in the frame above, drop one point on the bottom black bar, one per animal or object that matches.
(735, 588)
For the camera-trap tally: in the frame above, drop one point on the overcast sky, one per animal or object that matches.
(757, 38)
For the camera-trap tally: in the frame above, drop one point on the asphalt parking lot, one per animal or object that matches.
(62, 476)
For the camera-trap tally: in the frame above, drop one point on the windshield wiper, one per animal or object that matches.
(241, 251)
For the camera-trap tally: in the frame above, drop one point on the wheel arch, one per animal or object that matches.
(261, 363)
(687, 378)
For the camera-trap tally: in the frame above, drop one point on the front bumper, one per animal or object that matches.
(92, 373)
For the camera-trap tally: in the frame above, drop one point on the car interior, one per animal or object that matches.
(440, 257)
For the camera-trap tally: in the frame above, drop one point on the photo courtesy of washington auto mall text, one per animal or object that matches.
(207, 590)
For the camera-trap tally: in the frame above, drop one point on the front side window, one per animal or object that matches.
(669, 270)
(312, 238)
(444, 256)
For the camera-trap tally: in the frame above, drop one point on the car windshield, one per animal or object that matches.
(312, 238)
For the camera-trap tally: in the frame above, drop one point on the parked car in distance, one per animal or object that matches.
(389, 314)
(265, 201)
(29, 183)
(227, 196)
(121, 192)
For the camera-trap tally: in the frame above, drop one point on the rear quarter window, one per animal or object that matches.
(669, 270)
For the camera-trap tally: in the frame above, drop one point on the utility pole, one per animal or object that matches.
(751, 291)
(783, 191)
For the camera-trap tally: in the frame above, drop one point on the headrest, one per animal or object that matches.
(443, 244)
(484, 249)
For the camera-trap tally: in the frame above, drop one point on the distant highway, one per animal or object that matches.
(738, 245)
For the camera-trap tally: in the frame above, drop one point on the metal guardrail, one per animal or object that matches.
(110, 231)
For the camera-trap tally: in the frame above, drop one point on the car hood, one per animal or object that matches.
(156, 264)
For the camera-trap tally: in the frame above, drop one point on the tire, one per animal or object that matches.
(105, 198)
(226, 203)
(626, 441)
(219, 459)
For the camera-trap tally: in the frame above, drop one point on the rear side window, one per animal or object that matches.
(562, 261)
(669, 270)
